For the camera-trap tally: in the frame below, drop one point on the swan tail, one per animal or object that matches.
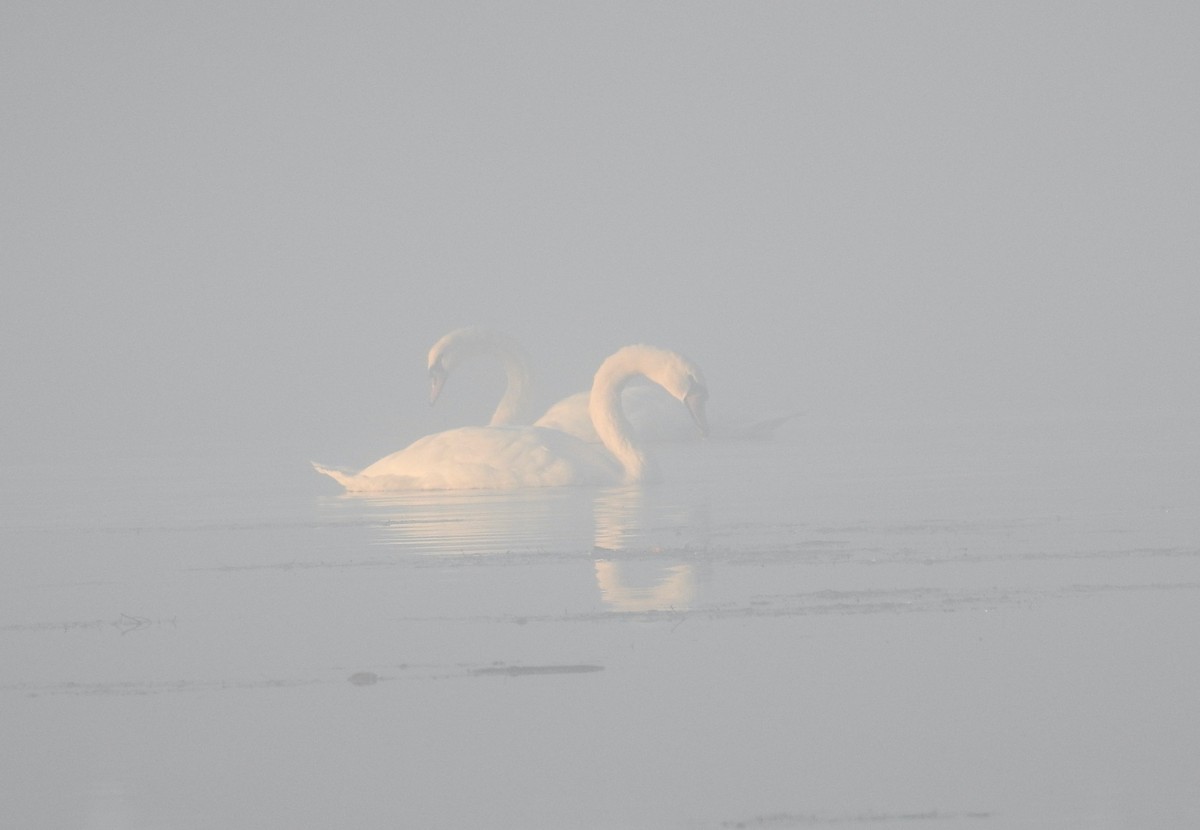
(341, 478)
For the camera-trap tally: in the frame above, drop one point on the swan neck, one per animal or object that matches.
(610, 422)
(514, 404)
(466, 343)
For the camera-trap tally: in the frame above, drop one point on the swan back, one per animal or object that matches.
(467, 342)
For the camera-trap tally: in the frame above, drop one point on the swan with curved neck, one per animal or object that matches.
(652, 415)
(498, 457)
(469, 341)
(670, 370)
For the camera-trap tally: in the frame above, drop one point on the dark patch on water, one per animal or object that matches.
(149, 687)
(518, 671)
(814, 819)
(124, 624)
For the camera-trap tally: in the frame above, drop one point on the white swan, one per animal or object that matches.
(507, 457)
(652, 415)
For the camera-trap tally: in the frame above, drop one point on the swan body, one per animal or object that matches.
(505, 457)
(494, 458)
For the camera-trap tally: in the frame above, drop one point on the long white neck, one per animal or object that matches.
(608, 418)
(514, 403)
(465, 343)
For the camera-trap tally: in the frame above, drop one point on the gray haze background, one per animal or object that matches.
(243, 225)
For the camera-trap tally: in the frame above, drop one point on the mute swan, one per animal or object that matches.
(506, 457)
(652, 415)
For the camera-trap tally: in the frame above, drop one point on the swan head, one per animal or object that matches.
(446, 354)
(463, 344)
(672, 371)
(684, 380)
(451, 350)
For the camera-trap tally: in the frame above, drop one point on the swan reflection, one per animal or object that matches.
(634, 528)
(634, 532)
(669, 588)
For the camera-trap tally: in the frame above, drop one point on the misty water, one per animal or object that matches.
(960, 589)
(887, 622)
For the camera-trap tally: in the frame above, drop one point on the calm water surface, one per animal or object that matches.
(976, 623)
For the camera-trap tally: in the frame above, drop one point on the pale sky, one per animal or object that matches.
(246, 223)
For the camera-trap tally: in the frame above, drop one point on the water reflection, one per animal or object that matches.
(637, 520)
(663, 588)
(642, 537)
(470, 521)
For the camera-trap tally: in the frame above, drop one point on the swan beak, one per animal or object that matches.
(695, 400)
(437, 379)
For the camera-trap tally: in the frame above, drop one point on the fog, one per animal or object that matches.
(958, 241)
(241, 225)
